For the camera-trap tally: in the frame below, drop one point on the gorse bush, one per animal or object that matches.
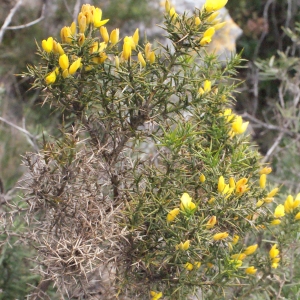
(153, 188)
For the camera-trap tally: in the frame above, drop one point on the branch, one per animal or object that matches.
(8, 19)
(291, 133)
(32, 138)
(30, 23)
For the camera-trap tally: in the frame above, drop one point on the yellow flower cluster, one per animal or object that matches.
(274, 256)
(237, 124)
(155, 295)
(211, 7)
(186, 205)
(240, 187)
(89, 19)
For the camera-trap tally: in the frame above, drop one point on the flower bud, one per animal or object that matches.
(114, 36)
(64, 61)
(126, 50)
(141, 59)
(51, 77)
(136, 37)
(47, 45)
(104, 34)
(75, 66)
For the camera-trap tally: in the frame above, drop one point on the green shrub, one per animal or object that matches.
(154, 189)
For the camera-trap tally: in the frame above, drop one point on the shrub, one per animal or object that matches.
(153, 188)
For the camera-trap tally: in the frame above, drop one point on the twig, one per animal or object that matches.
(270, 126)
(76, 9)
(8, 19)
(264, 33)
(30, 23)
(32, 140)
(273, 147)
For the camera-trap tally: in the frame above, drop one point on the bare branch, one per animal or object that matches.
(30, 23)
(32, 138)
(8, 19)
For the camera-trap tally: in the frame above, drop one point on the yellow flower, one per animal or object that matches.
(220, 236)
(251, 270)
(197, 264)
(88, 11)
(213, 5)
(102, 46)
(241, 186)
(47, 45)
(97, 18)
(274, 251)
(57, 48)
(104, 34)
(236, 262)
(268, 200)
(297, 217)
(212, 17)
(173, 13)
(251, 249)
(239, 256)
(129, 39)
(279, 211)
(221, 184)
(173, 214)
(211, 200)
(276, 222)
(81, 39)
(200, 91)
(102, 57)
(232, 182)
(167, 6)
(51, 77)
(262, 180)
(126, 50)
(238, 126)
(276, 260)
(147, 50)
(273, 193)
(183, 246)
(202, 178)
(114, 36)
(66, 35)
(152, 57)
(136, 36)
(274, 265)
(228, 114)
(141, 59)
(290, 204)
(156, 295)
(219, 25)
(207, 35)
(186, 203)
(265, 170)
(81, 22)
(189, 266)
(235, 239)
(197, 21)
(211, 222)
(64, 61)
(75, 66)
(65, 73)
(259, 203)
(207, 86)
